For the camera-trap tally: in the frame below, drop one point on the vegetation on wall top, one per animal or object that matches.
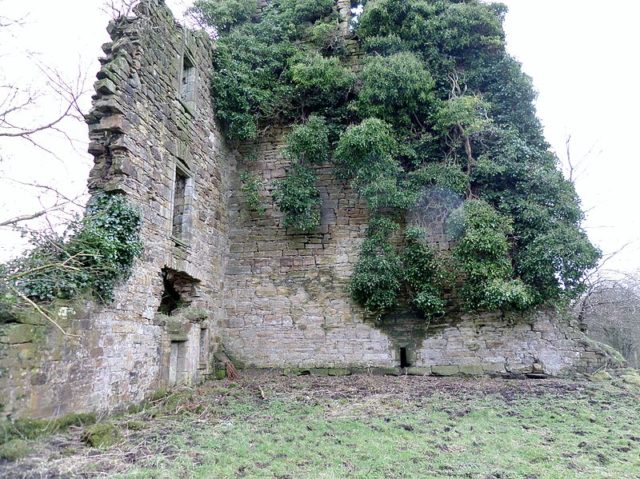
(92, 256)
(437, 103)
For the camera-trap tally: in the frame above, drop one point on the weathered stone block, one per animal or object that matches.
(445, 370)
(471, 370)
(17, 333)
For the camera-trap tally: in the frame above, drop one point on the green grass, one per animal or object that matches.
(381, 427)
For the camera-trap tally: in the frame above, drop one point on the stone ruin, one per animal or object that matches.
(218, 281)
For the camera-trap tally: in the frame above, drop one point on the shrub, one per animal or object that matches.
(309, 142)
(319, 81)
(422, 273)
(396, 89)
(298, 198)
(377, 277)
(442, 175)
(223, 14)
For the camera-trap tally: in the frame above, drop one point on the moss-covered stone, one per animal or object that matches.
(445, 370)
(385, 371)
(631, 378)
(17, 333)
(339, 372)
(415, 371)
(471, 370)
(101, 435)
(600, 376)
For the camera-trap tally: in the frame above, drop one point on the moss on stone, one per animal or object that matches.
(18, 333)
(600, 376)
(631, 378)
(445, 370)
(101, 435)
(471, 370)
(418, 371)
(35, 428)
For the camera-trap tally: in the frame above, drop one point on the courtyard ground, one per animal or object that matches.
(271, 426)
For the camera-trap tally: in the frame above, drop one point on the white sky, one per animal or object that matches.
(582, 55)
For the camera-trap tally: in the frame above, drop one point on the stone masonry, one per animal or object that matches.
(154, 138)
(217, 279)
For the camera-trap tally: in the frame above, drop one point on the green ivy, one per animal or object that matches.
(308, 142)
(482, 252)
(395, 89)
(250, 187)
(377, 277)
(298, 198)
(94, 255)
(423, 273)
(223, 15)
(439, 103)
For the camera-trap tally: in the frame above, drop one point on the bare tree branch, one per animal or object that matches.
(42, 312)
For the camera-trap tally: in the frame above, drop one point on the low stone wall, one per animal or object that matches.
(215, 273)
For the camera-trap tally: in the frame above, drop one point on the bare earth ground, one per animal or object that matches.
(270, 426)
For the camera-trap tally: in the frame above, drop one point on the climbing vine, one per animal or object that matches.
(436, 103)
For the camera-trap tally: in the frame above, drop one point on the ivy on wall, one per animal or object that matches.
(91, 257)
(438, 102)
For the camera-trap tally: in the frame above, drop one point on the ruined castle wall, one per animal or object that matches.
(288, 303)
(225, 277)
(154, 138)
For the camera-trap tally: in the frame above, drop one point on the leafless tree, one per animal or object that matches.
(23, 119)
(611, 314)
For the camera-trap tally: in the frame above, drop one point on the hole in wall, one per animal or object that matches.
(179, 290)
(404, 358)
(171, 299)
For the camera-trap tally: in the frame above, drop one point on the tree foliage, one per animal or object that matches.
(437, 102)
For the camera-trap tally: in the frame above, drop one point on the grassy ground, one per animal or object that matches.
(269, 426)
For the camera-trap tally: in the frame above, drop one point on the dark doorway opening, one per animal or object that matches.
(404, 358)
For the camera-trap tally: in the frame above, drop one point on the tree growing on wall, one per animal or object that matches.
(436, 102)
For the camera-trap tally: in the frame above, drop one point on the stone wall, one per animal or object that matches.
(217, 277)
(288, 302)
(154, 139)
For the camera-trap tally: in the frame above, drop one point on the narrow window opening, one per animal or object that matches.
(188, 82)
(179, 204)
(404, 358)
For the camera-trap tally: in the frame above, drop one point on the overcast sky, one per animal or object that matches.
(582, 55)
